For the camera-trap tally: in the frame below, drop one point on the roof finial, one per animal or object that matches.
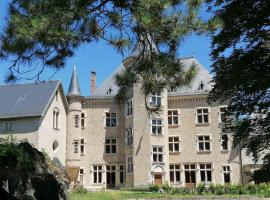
(74, 87)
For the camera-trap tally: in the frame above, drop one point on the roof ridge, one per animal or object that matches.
(48, 81)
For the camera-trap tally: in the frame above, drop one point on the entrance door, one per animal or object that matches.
(158, 178)
(190, 175)
(110, 176)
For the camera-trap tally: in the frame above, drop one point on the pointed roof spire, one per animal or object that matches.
(74, 87)
(150, 44)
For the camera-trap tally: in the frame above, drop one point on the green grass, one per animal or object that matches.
(122, 195)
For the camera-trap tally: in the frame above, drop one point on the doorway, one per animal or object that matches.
(110, 176)
(158, 179)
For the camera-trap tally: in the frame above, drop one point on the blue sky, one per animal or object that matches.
(104, 59)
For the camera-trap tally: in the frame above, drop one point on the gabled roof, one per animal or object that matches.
(28, 100)
(203, 78)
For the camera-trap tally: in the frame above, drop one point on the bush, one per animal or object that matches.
(166, 187)
(80, 190)
(153, 188)
(200, 189)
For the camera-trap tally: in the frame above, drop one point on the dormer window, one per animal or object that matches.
(109, 91)
(201, 86)
(8, 125)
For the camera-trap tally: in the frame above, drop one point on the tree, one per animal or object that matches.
(241, 68)
(45, 33)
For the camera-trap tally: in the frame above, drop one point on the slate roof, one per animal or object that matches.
(203, 77)
(27, 100)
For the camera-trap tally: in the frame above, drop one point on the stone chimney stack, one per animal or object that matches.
(93, 82)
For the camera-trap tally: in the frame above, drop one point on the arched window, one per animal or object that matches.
(55, 118)
(55, 145)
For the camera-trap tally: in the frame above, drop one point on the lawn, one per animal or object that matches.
(122, 195)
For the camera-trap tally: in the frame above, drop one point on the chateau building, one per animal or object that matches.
(107, 145)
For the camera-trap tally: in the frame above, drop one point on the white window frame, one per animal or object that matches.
(173, 116)
(82, 145)
(76, 144)
(99, 173)
(83, 120)
(202, 114)
(56, 118)
(203, 141)
(8, 125)
(124, 173)
(77, 120)
(226, 172)
(221, 142)
(220, 113)
(157, 126)
(81, 175)
(157, 153)
(111, 119)
(130, 166)
(205, 170)
(173, 143)
(111, 144)
(174, 171)
(155, 99)
(129, 136)
(129, 107)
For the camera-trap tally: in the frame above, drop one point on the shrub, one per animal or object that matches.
(80, 190)
(153, 188)
(200, 189)
(166, 187)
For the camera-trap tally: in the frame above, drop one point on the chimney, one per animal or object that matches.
(93, 82)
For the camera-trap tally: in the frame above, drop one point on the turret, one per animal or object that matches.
(73, 128)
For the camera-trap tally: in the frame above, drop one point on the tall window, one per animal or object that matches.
(110, 119)
(155, 99)
(174, 173)
(110, 145)
(129, 107)
(222, 116)
(206, 172)
(158, 154)
(190, 173)
(82, 143)
(130, 164)
(204, 143)
(202, 115)
(173, 117)
(55, 118)
(77, 120)
(97, 174)
(174, 145)
(129, 137)
(122, 174)
(157, 126)
(8, 125)
(226, 173)
(224, 140)
(76, 146)
(83, 120)
(81, 174)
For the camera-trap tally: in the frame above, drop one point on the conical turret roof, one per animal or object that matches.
(74, 87)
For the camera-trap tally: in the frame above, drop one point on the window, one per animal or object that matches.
(97, 173)
(158, 154)
(206, 173)
(157, 126)
(204, 143)
(76, 146)
(190, 174)
(173, 117)
(122, 174)
(81, 173)
(55, 118)
(77, 120)
(226, 173)
(129, 136)
(175, 173)
(202, 116)
(110, 145)
(8, 125)
(82, 143)
(110, 119)
(224, 140)
(56, 96)
(222, 116)
(174, 144)
(130, 164)
(110, 175)
(155, 99)
(55, 145)
(83, 120)
(129, 107)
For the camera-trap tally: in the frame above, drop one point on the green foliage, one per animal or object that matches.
(153, 188)
(200, 189)
(80, 190)
(166, 187)
(241, 70)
